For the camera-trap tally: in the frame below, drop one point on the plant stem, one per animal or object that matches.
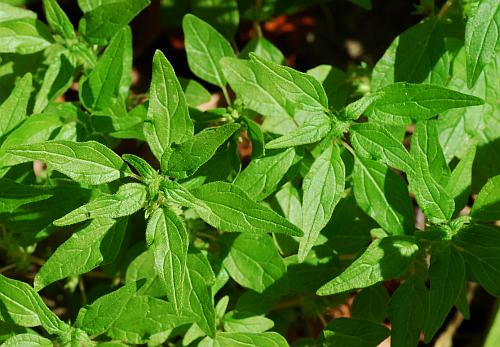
(226, 96)
(444, 9)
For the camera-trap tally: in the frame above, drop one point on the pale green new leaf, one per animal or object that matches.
(102, 22)
(168, 119)
(23, 306)
(98, 242)
(267, 339)
(447, 277)
(262, 176)
(482, 38)
(408, 311)
(383, 195)
(401, 103)
(129, 199)
(313, 130)
(487, 204)
(384, 259)
(13, 109)
(323, 186)
(205, 47)
(85, 162)
(227, 207)
(253, 261)
(24, 36)
(58, 20)
(374, 141)
(459, 183)
(343, 332)
(101, 87)
(27, 340)
(170, 244)
(183, 160)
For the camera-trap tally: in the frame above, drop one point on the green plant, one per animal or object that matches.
(201, 251)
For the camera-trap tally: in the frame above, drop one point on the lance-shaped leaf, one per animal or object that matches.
(459, 184)
(313, 130)
(198, 294)
(129, 199)
(85, 162)
(482, 38)
(264, 49)
(235, 323)
(384, 259)
(383, 195)
(170, 243)
(353, 332)
(268, 339)
(290, 203)
(487, 204)
(262, 176)
(28, 339)
(447, 277)
(323, 186)
(14, 195)
(13, 109)
(371, 304)
(101, 87)
(102, 22)
(123, 306)
(24, 36)
(480, 246)
(183, 160)
(253, 261)
(227, 207)
(408, 316)
(374, 141)
(430, 174)
(205, 47)
(58, 20)
(10, 12)
(401, 103)
(168, 119)
(96, 243)
(20, 304)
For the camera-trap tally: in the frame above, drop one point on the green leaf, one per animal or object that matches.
(481, 38)
(290, 203)
(342, 332)
(408, 316)
(129, 199)
(371, 304)
(264, 49)
(9, 12)
(480, 246)
(14, 108)
(333, 81)
(58, 20)
(98, 242)
(418, 55)
(384, 259)
(27, 339)
(102, 22)
(262, 176)
(222, 14)
(24, 36)
(129, 317)
(256, 136)
(430, 174)
(183, 160)
(459, 184)
(377, 142)
(142, 166)
(227, 207)
(237, 323)
(400, 103)
(205, 47)
(101, 87)
(253, 261)
(487, 204)
(383, 195)
(143, 268)
(267, 339)
(85, 162)
(323, 186)
(168, 119)
(23, 306)
(198, 294)
(14, 195)
(313, 130)
(493, 338)
(170, 243)
(447, 277)
(196, 94)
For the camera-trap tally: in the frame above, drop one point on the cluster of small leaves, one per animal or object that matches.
(206, 252)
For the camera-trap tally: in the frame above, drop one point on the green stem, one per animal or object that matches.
(442, 12)
(226, 96)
